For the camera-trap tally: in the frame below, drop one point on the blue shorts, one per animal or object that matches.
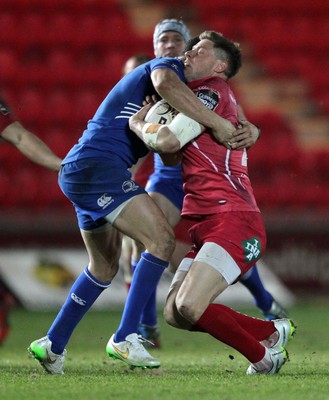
(172, 189)
(96, 188)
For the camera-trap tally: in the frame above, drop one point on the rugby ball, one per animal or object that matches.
(161, 113)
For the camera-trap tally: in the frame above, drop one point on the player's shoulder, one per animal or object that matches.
(175, 63)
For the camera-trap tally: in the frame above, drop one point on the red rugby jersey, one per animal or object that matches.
(215, 178)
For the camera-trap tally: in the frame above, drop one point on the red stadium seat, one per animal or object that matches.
(24, 193)
(61, 29)
(9, 65)
(61, 69)
(59, 59)
(10, 34)
(33, 26)
(60, 139)
(86, 102)
(30, 108)
(58, 106)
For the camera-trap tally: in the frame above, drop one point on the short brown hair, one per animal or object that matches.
(228, 51)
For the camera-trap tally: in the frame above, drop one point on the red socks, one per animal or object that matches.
(237, 330)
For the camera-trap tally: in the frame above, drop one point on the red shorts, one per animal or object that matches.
(182, 231)
(241, 233)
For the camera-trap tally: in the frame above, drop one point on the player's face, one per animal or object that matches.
(131, 64)
(170, 44)
(201, 61)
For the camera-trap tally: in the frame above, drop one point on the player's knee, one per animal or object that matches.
(172, 317)
(106, 270)
(169, 316)
(170, 243)
(110, 272)
(163, 245)
(188, 309)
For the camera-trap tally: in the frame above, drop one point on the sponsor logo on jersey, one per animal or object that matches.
(209, 98)
(129, 186)
(252, 249)
(104, 201)
(174, 66)
(78, 300)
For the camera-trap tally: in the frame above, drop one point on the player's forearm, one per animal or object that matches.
(37, 151)
(157, 137)
(31, 146)
(179, 96)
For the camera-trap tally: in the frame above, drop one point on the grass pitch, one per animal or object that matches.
(194, 365)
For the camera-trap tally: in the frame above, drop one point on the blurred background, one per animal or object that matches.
(58, 60)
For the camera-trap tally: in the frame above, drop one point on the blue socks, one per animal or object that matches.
(143, 285)
(253, 283)
(84, 292)
(149, 315)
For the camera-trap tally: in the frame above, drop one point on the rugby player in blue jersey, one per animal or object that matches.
(95, 176)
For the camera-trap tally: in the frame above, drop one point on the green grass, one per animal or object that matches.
(194, 365)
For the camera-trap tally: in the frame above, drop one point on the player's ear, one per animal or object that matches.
(220, 66)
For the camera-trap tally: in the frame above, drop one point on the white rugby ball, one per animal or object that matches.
(161, 113)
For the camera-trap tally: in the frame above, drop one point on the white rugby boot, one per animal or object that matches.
(132, 352)
(274, 359)
(52, 363)
(285, 330)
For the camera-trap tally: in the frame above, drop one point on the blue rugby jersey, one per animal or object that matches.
(108, 134)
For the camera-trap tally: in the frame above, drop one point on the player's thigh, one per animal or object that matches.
(142, 220)
(171, 212)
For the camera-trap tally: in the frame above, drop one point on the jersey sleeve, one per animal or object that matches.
(6, 116)
(175, 64)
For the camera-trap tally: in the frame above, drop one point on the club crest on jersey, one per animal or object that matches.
(252, 249)
(209, 98)
(129, 186)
